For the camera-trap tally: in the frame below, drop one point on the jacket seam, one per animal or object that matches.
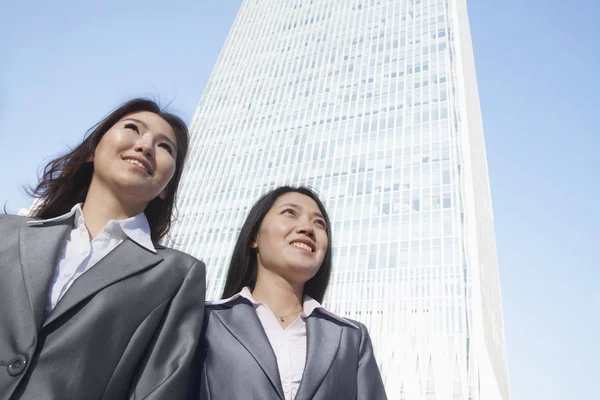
(191, 267)
(129, 341)
(24, 279)
(168, 298)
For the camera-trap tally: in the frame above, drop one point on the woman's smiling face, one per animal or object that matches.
(136, 157)
(292, 238)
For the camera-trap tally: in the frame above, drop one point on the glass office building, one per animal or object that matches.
(373, 103)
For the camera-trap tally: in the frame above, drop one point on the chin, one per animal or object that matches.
(302, 272)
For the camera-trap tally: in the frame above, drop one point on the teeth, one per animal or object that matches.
(136, 162)
(302, 246)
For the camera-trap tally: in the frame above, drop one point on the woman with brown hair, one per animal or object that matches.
(91, 305)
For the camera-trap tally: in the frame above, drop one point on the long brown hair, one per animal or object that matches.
(65, 180)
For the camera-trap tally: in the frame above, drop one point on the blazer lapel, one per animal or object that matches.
(126, 259)
(323, 342)
(40, 247)
(243, 323)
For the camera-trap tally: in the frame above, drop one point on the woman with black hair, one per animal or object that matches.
(270, 338)
(92, 307)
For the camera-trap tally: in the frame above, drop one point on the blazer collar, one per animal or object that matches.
(136, 227)
(126, 259)
(40, 247)
(323, 341)
(309, 305)
(240, 319)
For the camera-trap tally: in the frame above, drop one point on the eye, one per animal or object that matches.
(132, 126)
(321, 223)
(167, 147)
(289, 211)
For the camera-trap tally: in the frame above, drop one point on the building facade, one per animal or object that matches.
(374, 104)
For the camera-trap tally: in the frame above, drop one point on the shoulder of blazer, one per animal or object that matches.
(11, 225)
(179, 261)
(210, 309)
(347, 323)
(362, 330)
(177, 258)
(15, 220)
(230, 304)
(10, 228)
(10, 221)
(358, 331)
(360, 325)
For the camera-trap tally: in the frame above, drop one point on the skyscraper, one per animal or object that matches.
(373, 103)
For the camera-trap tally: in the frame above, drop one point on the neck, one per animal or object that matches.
(100, 207)
(282, 297)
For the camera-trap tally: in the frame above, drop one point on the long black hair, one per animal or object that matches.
(65, 181)
(243, 266)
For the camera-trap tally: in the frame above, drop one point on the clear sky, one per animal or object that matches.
(65, 64)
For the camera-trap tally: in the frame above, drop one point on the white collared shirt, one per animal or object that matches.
(79, 254)
(289, 344)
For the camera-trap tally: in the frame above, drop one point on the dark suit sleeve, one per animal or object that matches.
(165, 373)
(369, 384)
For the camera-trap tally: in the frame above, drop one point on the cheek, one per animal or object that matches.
(168, 167)
(99, 158)
(265, 240)
(324, 240)
(117, 140)
(111, 144)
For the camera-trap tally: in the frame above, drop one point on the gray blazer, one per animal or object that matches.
(236, 361)
(126, 328)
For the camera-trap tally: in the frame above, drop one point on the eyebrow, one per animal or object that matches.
(294, 205)
(161, 135)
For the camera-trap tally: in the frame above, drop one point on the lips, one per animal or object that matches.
(140, 163)
(305, 244)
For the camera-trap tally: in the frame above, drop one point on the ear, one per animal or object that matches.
(254, 244)
(163, 194)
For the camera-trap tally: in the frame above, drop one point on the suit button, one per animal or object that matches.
(16, 365)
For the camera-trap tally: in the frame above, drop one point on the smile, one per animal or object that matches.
(303, 246)
(138, 164)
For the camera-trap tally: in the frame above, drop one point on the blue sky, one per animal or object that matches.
(65, 65)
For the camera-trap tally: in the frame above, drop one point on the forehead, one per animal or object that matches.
(299, 199)
(154, 122)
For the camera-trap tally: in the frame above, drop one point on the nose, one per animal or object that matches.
(144, 146)
(307, 230)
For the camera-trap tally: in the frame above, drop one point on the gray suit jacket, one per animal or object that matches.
(236, 361)
(126, 328)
